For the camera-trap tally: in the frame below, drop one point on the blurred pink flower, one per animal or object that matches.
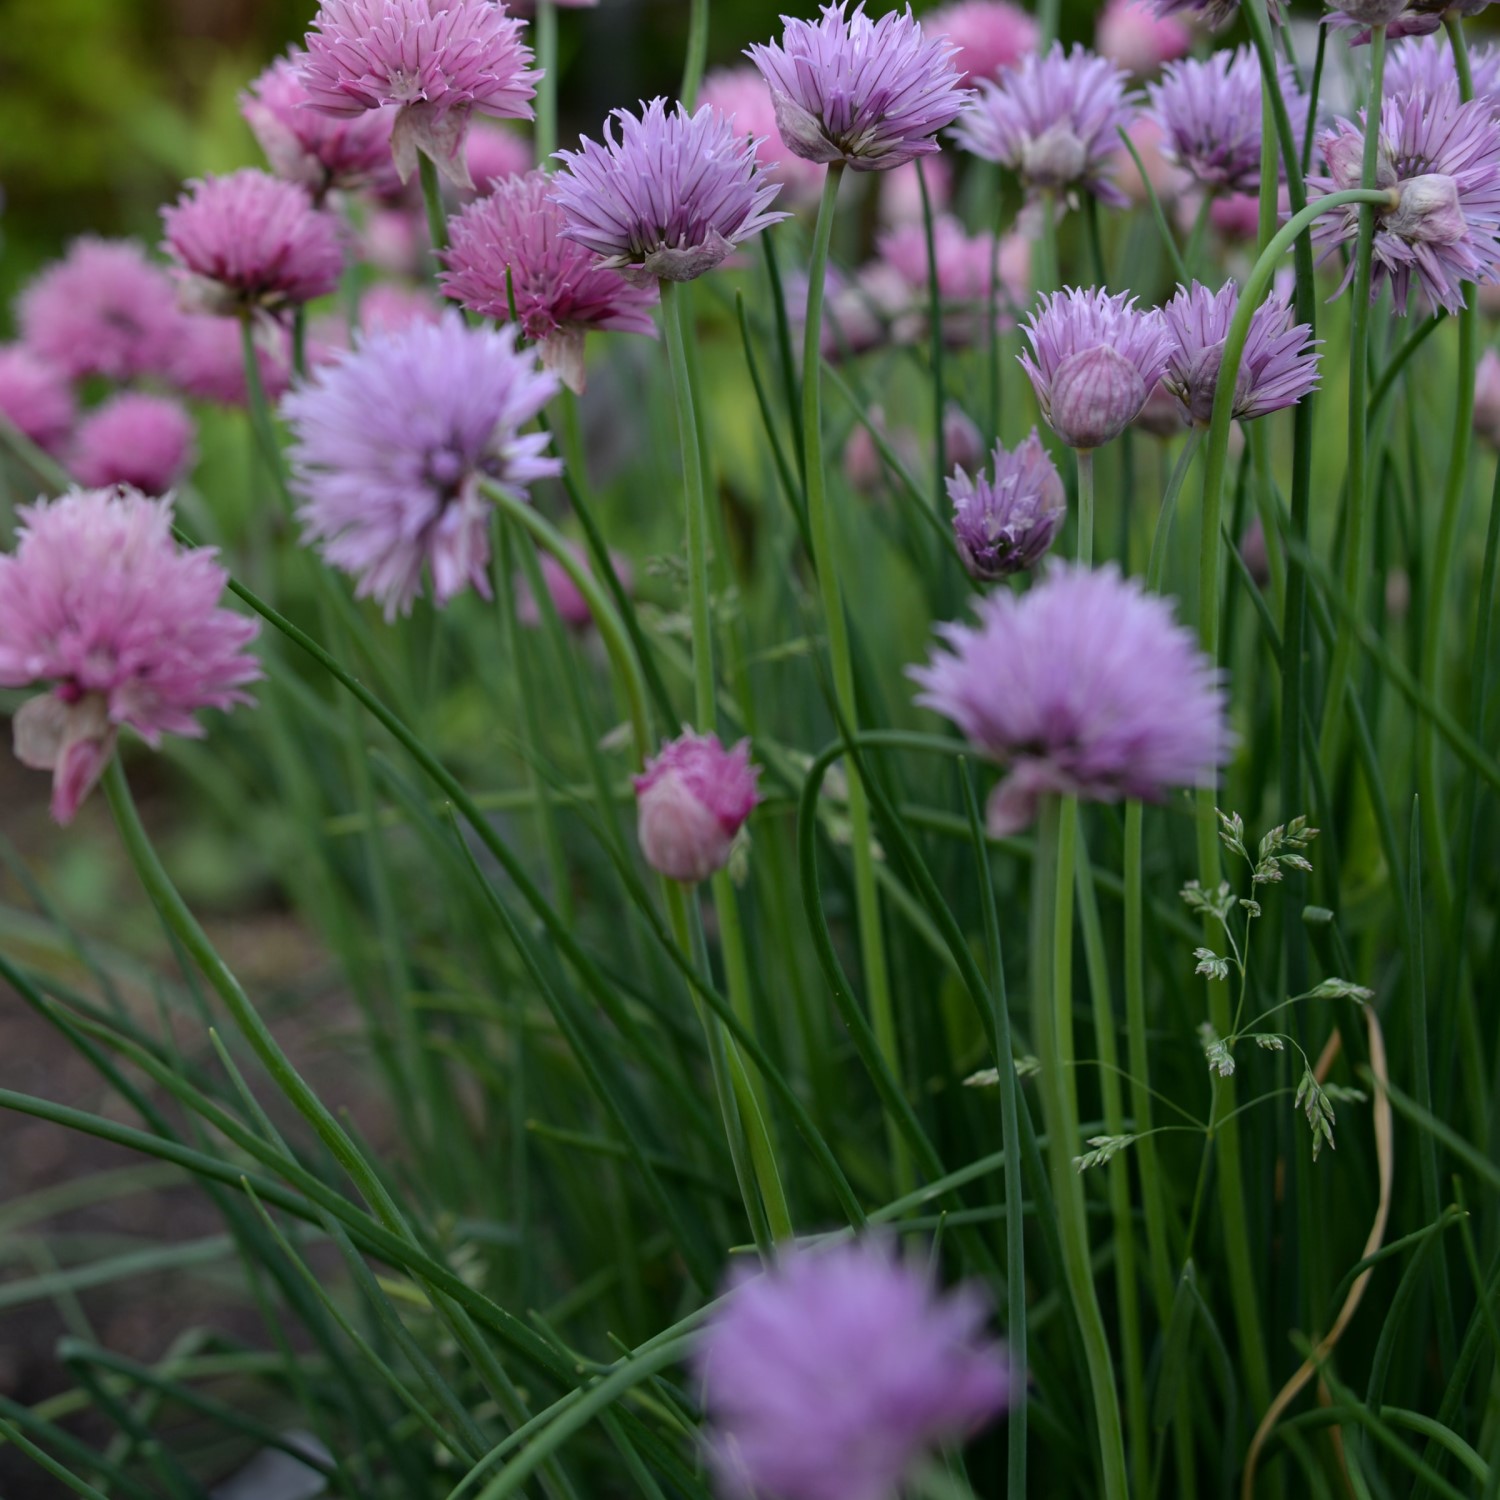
(572, 608)
(134, 439)
(901, 192)
(208, 360)
(744, 96)
(35, 397)
(494, 151)
(1133, 36)
(989, 34)
(692, 799)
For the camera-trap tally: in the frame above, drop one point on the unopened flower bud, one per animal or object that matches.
(1004, 521)
(962, 442)
(1428, 211)
(1096, 394)
(692, 800)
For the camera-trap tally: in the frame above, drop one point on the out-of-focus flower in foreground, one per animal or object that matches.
(99, 603)
(989, 34)
(135, 439)
(1004, 521)
(1084, 686)
(692, 799)
(35, 398)
(831, 1375)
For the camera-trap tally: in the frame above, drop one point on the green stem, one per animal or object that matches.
(432, 199)
(935, 335)
(697, 54)
(1086, 506)
(1052, 1026)
(546, 94)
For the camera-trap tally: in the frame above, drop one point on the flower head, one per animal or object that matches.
(1097, 357)
(989, 34)
(1425, 64)
(830, 1375)
(134, 439)
(1053, 120)
(35, 397)
(1132, 36)
(692, 799)
(668, 196)
(494, 152)
(1441, 159)
(251, 241)
(392, 442)
(867, 94)
(435, 62)
(208, 361)
(507, 251)
(1278, 368)
(1084, 686)
(103, 309)
(567, 598)
(742, 96)
(1005, 521)
(321, 152)
(99, 602)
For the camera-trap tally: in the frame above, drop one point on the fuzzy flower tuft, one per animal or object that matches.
(435, 62)
(508, 250)
(870, 95)
(100, 602)
(832, 1374)
(1054, 121)
(250, 241)
(691, 801)
(134, 439)
(392, 441)
(1097, 357)
(989, 34)
(1004, 522)
(1441, 158)
(1084, 686)
(667, 196)
(35, 398)
(103, 309)
(1278, 368)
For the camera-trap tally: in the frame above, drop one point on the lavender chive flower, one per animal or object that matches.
(134, 439)
(99, 602)
(1425, 64)
(668, 197)
(1004, 522)
(508, 250)
(692, 800)
(868, 95)
(989, 34)
(832, 1374)
(1053, 120)
(1441, 160)
(435, 62)
(1097, 358)
(250, 242)
(35, 398)
(1083, 686)
(392, 441)
(1278, 368)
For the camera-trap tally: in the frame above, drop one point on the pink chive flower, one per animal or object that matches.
(1084, 686)
(387, 307)
(1425, 64)
(832, 1374)
(966, 265)
(743, 97)
(208, 361)
(250, 241)
(1005, 521)
(1441, 158)
(104, 309)
(323, 153)
(99, 602)
(1053, 120)
(989, 34)
(572, 608)
(435, 62)
(391, 442)
(869, 95)
(1487, 398)
(493, 153)
(1132, 36)
(134, 439)
(1096, 358)
(1278, 368)
(508, 249)
(692, 799)
(35, 397)
(667, 196)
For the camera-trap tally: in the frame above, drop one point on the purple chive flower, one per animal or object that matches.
(1054, 121)
(692, 799)
(668, 197)
(141, 441)
(99, 602)
(1005, 522)
(869, 95)
(1441, 158)
(1097, 358)
(1215, 14)
(989, 34)
(250, 241)
(1279, 366)
(1086, 686)
(318, 151)
(435, 62)
(572, 608)
(832, 1374)
(1425, 64)
(208, 361)
(508, 249)
(104, 309)
(1210, 115)
(35, 397)
(1419, 18)
(391, 442)
(742, 96)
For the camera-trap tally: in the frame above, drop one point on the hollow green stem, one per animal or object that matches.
(935, 336)
(545, 24)
(432, 199)
(697, 54)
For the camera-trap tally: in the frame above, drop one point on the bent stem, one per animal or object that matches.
(820, 526)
